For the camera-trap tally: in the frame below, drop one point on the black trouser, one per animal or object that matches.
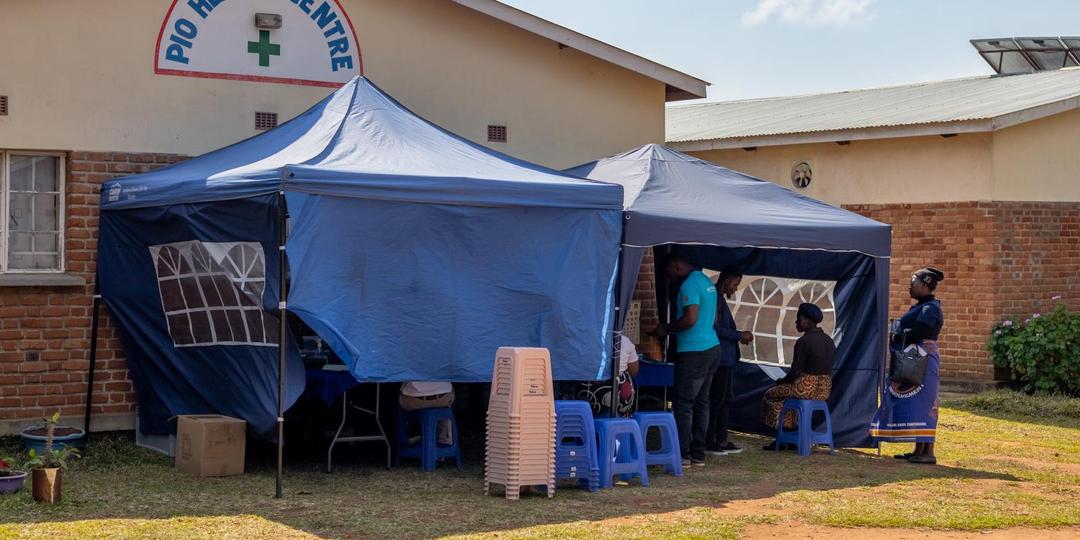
(719, 398)
(693, 377)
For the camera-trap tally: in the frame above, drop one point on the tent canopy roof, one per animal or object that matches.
(674, 198)
(360, 142)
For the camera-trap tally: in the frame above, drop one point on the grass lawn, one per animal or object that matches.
(1006, 460)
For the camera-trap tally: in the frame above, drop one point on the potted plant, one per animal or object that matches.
(11, 479)
(46, 466)
(34, 437)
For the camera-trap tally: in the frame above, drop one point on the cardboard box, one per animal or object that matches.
(210, 444)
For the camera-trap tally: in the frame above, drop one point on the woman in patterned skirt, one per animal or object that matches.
(810, 376)
(909, 413)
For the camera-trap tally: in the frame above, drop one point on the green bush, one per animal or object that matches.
(1043, 351)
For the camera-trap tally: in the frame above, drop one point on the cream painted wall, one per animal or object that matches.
(79, 76)
(907, 170)
(1039, 161)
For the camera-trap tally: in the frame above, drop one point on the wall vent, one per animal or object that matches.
(3, 105)
(265, 120)
(497, 134)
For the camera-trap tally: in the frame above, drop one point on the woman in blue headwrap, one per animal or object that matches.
(810, 376)
(908, 412)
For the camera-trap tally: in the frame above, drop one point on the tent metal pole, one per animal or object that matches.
(282, 328)
(616, 340)
(95, 316)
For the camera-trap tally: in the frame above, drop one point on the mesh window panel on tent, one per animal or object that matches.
(767, 306)
(211, 293)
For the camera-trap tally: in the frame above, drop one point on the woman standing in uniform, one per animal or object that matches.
(910, 412)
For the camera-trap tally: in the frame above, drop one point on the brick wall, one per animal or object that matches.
(1038, 256)
(1000, 259)
(646, 294)
(45, 331)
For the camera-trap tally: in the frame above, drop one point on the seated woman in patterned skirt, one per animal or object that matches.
(810, 376)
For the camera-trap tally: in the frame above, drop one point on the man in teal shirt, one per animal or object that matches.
(697, 355)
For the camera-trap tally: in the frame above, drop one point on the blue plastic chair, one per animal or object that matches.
(805, 437)
(575, 444)
(626, 458)
(428, 450)
(668, 455)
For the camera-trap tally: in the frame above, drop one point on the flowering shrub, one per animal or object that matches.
(1043, 351)
(7, 467)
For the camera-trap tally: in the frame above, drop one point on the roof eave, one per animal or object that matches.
(677, 94)
(679, 85)
(981, 125)
(839, 135)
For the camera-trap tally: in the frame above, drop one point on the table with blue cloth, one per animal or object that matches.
(655, 374)
(329, 385)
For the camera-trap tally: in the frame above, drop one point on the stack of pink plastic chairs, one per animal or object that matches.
(521, 422)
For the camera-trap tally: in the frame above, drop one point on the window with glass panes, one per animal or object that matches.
(31, 195)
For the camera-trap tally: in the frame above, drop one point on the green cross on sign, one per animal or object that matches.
(264, 48)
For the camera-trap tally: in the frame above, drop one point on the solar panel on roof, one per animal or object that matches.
(1010, 56)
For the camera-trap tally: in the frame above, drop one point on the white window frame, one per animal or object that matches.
(5, 198)
(229, 269)
(786, 318)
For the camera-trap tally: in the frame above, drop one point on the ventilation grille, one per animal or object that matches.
(497, 134)
(3, 105)
(265, 120)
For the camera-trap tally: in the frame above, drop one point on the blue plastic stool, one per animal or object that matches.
(805, 437)
(575, 444)
(630, 457)
(428, 451)
(668, 455)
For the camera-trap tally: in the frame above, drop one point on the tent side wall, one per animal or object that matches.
(862, 318)
(193, 289)
(430, 291)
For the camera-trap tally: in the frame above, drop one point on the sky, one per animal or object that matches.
(759, 48)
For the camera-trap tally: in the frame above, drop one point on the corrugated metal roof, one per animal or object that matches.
(957, 100)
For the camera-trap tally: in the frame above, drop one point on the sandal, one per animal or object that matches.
(923, 460)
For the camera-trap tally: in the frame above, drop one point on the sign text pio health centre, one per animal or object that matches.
(314, 45)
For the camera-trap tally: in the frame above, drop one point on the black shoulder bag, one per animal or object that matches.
(908, 366)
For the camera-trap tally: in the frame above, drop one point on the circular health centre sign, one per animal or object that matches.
(305, 42)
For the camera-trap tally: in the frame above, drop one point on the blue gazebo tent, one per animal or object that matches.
(719, 217)
(413, 252)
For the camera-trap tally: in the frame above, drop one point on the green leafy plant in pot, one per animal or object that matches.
(46, 466)
(11, 479)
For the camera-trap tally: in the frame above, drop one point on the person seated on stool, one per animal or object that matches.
(418, 395)
(598, 393)
(810, 376)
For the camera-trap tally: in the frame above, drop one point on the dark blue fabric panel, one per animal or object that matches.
(862, 285)
(235, 380)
